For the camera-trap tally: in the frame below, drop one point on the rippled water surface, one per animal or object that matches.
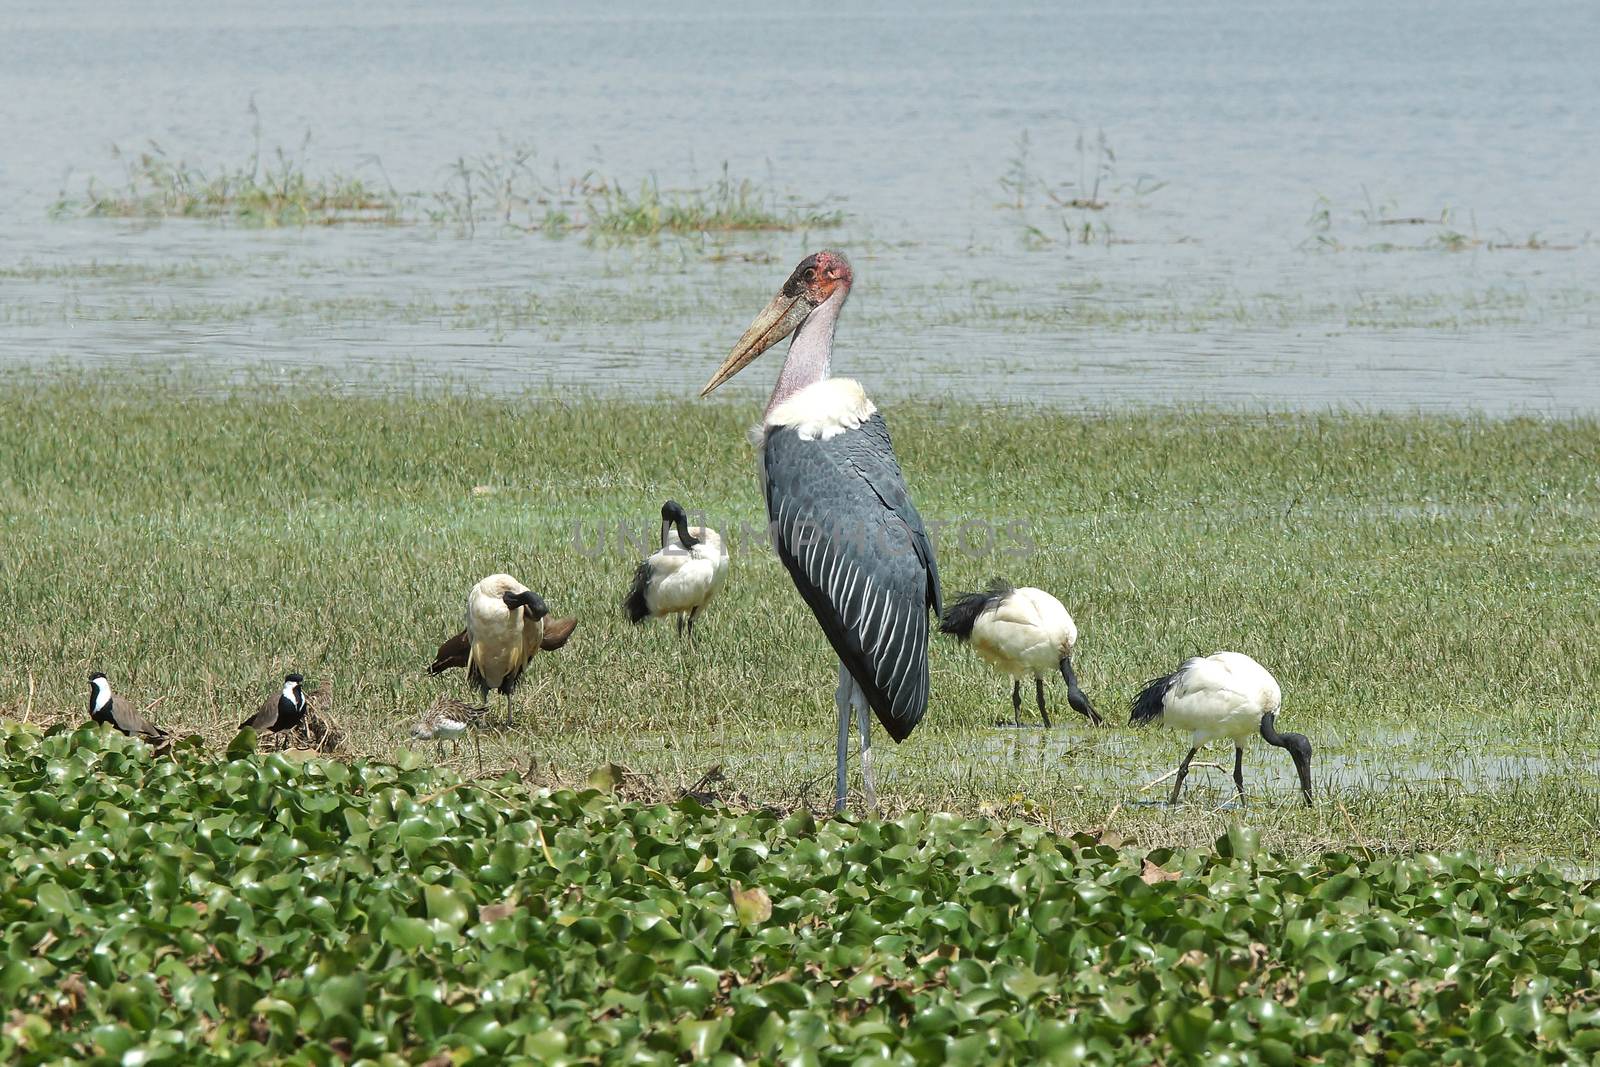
(1259, 167)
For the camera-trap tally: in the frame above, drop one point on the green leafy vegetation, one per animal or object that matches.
(200, 909)
(1423, 588)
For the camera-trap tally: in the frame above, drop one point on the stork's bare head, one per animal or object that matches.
(819, 277)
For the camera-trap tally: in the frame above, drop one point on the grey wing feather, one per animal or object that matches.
(132, 723)
(851, 538)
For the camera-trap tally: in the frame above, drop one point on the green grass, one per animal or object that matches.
(1422, 587)
(281, 192)
(498, 188)
(211, 908)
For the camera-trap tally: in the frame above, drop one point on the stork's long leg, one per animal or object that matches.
(479, 749)
(508, 709)
(1016, 701)
(864, 724)
(692, 613)
(679, 617)
(1183, 772)
(1238, 771)
(1038, 688)
(841, 699)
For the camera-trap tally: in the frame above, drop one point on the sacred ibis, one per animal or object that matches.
(682, 576)
(1224, 695)
(1022, 632)
(505, 625)
(282, 712)
(107, 708)
(841, 518)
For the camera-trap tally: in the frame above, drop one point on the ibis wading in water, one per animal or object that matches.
(682, 576)
(841, 519)
(1224, 695)
(1025, 633)
(505, 626)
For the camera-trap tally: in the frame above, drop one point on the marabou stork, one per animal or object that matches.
(1223, 695)
(841, 518)
(282, 712)
(505, 626)
(682, 576)
(1024, 633)
(108, 709)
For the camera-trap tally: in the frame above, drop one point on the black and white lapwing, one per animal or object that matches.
(107, 708)
(283, 712)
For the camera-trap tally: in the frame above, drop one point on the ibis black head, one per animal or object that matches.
(96, 674)
(294, 678)
(673, 515)
(533, 602)
(1299, 747)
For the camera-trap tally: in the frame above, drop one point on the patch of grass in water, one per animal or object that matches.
(278, 193)
(727, 204)
(499, 188)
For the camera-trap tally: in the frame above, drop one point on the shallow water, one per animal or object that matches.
(1244, 259)
(1381, 760)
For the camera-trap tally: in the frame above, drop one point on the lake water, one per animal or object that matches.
(1257, 162)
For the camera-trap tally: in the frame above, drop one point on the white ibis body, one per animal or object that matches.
(681, 577)
(1226, 695)
(841, 518)
(107, 708)
(282, 712)
(505, 625)
(1025, 633)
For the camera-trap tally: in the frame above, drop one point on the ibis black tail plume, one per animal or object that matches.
(963, 614)
(1150, 703)
(634, 604)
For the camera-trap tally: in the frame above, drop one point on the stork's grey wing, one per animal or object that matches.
(846, 529)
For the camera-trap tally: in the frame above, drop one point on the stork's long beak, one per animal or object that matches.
(778, 320)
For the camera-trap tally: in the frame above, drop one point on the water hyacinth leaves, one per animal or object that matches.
(158, 912)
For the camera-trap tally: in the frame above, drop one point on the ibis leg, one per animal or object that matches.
(1238, 772)
(1038, 688)
(692, 614)
(479, 749)
(841, 699)
(1183, 772)
(508, 709)
(679, 617)
(864, 725)
(1016, 701)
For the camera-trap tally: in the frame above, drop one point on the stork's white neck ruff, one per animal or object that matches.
(823, 410)
(102, 693)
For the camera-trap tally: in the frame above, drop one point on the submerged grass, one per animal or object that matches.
(1423, 588)
(278, 193)
(499, 188)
